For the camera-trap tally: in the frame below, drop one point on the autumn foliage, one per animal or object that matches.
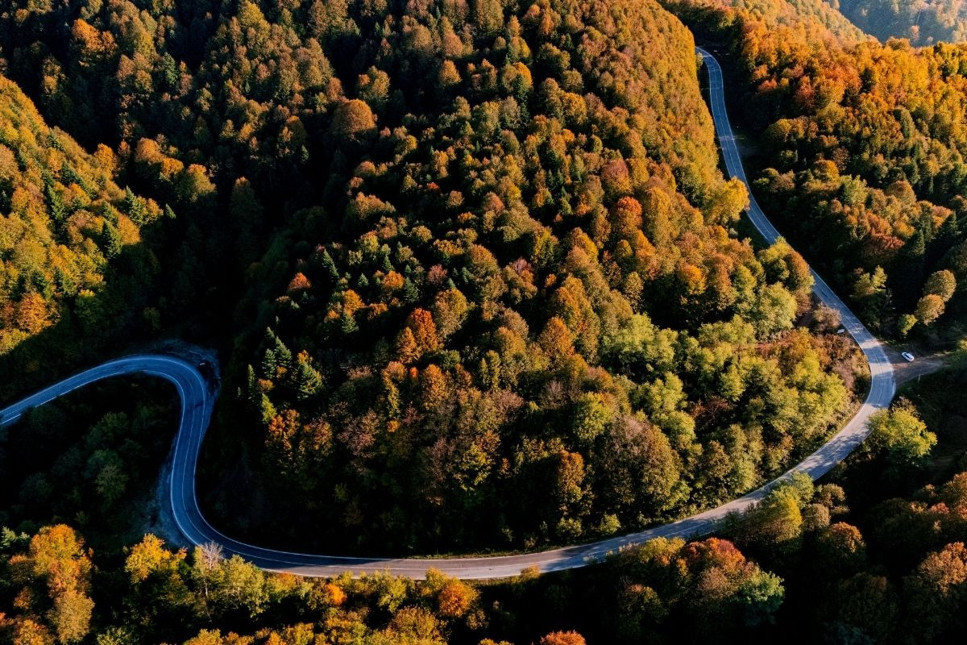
(862, 149)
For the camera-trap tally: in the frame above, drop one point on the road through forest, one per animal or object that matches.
(197, 401)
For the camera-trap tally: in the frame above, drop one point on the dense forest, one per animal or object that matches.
(478, 284)
(862, 153)
(514, 312)
(521, 318)
(155, 594)
(810, 17)
(70, 253)
(923, 22)
(77, 569)
(875, 555)
(90, 460)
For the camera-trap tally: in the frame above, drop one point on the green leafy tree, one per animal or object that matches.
(901, 436)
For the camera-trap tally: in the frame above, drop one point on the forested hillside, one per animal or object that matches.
(68, 240)
(923, 22)
(520, 317)
(814, 17)
(477, 284)
(863, 147)
(486, 283)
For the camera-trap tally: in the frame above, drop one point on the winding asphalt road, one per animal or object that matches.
(196, 410)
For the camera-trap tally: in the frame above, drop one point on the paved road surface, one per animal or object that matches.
(197, 401)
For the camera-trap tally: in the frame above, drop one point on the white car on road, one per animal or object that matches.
(908, 356)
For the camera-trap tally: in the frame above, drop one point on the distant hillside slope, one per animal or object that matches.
(924, 22)
(814, 14)
(62, 221)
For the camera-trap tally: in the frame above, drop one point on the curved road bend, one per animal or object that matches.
(197, 402)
